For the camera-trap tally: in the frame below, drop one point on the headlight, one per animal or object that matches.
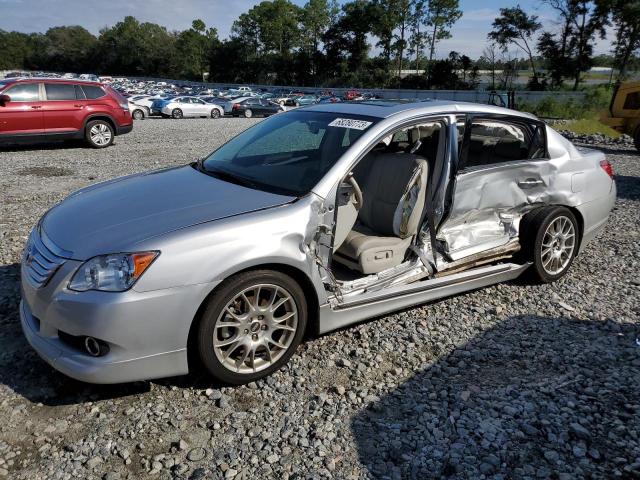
(112, 273)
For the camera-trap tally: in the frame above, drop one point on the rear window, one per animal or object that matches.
(92, 92)
(116, 94)
(60, 91)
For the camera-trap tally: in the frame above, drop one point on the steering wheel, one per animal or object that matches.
(356, 191)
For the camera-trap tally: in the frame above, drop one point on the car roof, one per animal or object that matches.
(50, 80)
(388, 108)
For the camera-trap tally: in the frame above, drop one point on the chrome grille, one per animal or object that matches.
(41, 258)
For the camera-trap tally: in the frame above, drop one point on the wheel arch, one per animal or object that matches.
(576, 213)
(313, 305)
(104, 117)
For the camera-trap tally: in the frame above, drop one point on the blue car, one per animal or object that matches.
(158, 104)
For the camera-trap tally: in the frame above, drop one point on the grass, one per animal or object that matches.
(583, 115)
(590, 126)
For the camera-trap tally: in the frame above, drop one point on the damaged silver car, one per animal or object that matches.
(307, 222)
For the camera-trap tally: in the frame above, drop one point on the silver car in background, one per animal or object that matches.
(191, 106)
(309, 221)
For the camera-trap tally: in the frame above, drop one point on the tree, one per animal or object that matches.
(193, 48)
(514, 26)
(490, 57)
(418, 36)
(347, 39)
(440, 17)
(16, 49)
(626, 20)
(404, 13)
(316, 18)
(385, 17)
(134, 48)
(271, 26)
(62, 49)
(572, 51)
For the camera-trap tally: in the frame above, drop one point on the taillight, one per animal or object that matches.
(235, 106)
(606, 166)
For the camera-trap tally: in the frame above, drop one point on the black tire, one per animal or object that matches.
(138, 114)
(215, 113)
(533, 229)
(227, 292)
(176, 113)
(636, 138)
(248, 113)
(99, 134)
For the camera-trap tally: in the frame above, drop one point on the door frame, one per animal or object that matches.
(449, 153)
(499, 117)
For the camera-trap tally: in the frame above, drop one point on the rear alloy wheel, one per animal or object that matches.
(99, 134)
(550, 238)
(138, 114)
(248, 113)
(176, 113)
(215, 113)
(251, 326)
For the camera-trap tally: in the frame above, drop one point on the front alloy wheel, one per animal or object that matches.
(252, 326)
(176, 113)
(248, 113)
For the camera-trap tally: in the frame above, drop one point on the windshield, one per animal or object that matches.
(287, 153)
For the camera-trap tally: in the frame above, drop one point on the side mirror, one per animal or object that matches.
(4, 99)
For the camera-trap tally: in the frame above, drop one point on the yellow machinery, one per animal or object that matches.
(624, 111)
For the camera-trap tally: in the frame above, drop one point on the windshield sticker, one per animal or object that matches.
(350, 123)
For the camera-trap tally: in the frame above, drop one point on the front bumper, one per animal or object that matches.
(146, 332)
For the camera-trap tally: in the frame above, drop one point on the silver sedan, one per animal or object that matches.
(182, 107)
(305, 223)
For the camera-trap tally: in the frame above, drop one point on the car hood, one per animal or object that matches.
(113, 216)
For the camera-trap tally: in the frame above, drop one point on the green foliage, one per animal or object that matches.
(329, 43)
(596, 100)
(590, 126)
(569, 52)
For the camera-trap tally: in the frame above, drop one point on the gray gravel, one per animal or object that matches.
(512, 381)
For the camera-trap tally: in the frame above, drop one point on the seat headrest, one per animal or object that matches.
(414, 135)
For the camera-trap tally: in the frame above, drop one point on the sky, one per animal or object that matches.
(469, 35)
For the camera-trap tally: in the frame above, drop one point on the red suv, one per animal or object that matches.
(35, 109)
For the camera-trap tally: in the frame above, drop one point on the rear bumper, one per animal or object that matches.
(595, 215)
(123, 129)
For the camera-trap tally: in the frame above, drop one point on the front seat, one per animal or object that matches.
(394, 191)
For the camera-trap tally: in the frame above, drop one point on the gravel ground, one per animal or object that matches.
(512, 381)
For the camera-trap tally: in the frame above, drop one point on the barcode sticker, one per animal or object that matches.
(350, 123)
